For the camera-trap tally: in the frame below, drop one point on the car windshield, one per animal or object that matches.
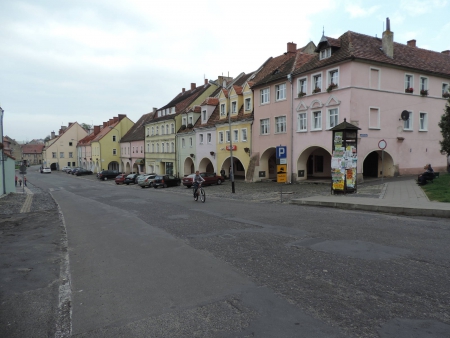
(130, 176)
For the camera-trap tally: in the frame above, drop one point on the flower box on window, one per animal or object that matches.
(445, 95)
(331, 87)
(316, 90)
(190, 125)
(301, 94)
(424, 92)
(409, 90)
(183, 127)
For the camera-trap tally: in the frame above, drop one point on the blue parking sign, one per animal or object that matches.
(281, 152)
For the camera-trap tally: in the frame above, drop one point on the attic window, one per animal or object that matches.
(276, 71)
(325, 53)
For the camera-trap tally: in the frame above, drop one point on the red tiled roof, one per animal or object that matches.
(210, 101)
(137, 132)
(32, 148)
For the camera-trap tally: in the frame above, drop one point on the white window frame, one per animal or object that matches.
(445, 87)
(61, 154)
(234, 107)
(191, 144)
(264, 126)
(325, 53)
(167, 147)
(422, 77)
(408, 125)
(157, 147)
(264, 95)
(162, 130)
(153, 131)
(370, 77)
(235, 135)
(114, 151)
(153, 147)
(200, 138)
(378, 127)
(220, 136)
(183, 143)
(244, 134)
(222, 109)
(70, 155)
(172, 147)
(248, 104)
(208, 138)
(204, 116)
(184, 121)
(300, 87)
(190, 120)
(114, 138)
(330, 72)
(313, 120)
(313, 82)
(167, 129)
(162, 147)
(280, 124)
(302, 117)
(227, 136)
(329, 112)
(157, 130)
(423, 126)
(280, 92)
(409, 84)
(172, 128)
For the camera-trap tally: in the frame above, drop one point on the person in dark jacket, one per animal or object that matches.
(427, 175)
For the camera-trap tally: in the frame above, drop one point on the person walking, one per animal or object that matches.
(16, 180)
(20, 182)
(25, 181)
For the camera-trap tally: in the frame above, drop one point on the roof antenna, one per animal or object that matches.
(323, 30)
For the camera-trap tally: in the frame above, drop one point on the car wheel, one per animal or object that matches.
(165, 185)
(156, 187)
(128, 183)
(142, 186)
(178, 183)
(117, 183)
(105, 179)
(150, 185)
(219, 182)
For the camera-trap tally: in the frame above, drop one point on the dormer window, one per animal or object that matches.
(204, 115)
(233, 107)
(222, 109)
(325, 53)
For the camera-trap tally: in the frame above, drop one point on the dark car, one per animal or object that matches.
(210, 178)
(166, 181)
(107, 174)
(120, 178)
(131, 178)
(75, 170)
(83, 172)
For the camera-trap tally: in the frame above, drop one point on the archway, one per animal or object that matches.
(206, 165)
(127, 167)
(268, 164)
(372, 165)
(239, 169)
(113, 165)
(54, 166)
(188, 167)
(314, 162)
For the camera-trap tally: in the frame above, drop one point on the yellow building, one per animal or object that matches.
(105, 147)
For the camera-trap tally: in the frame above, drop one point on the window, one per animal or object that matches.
(248, 104)
(235, 135)
(68, 164)
(190, 118)
(445, 89)
(141, 149)
(70, 143)
(157, 130)
(172, 128)
(374, 78)
(53, 155)
(208, 138)
(172, 147)
(280, 92)
(157, 147)
(408, 124)
(409, 80)
(114, 138)
(183, 143)
(190, 142)
(73, 164)
(301, 118)
(317, 83)
(423, 83)
(222, 109)
(233, 107)
(220, 136)
(333, 118)
(227, 136)
(302, 87)
(114, 151)
(244, 135)
(133, 150)
(61, 155)
(325, 53)
(316, 120)
(423, 119)
(201, 138)
(280, 124)
(153, 147)
(184, 121)
(70, 155)
(167, 147)
(333, 78)
(162, 147)
(265, 96)
(167, 129)
(265, 127)
(204, 115)
(153, 131)
(374, 118)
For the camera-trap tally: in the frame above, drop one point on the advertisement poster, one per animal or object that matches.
(338, 138)
(343, 164)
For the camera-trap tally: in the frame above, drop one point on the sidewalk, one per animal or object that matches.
(400, 197)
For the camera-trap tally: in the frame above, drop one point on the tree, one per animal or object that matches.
(86, 126)
(444, 124)
(47, 138)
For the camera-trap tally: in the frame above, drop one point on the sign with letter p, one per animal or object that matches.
(281, 152)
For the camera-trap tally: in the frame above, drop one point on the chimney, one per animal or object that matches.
(387, 41)
(193, 86)
(111, 121)
(96, 130)
(52, 135)
(115, 119)
(206, 81)
(121, 116)
(446, 52)
(105, 124)
(291, 48)
(411, 43)
(70, 123)
(183, 90)
(61, 131)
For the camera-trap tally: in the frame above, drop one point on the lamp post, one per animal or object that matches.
(231, 147)
(3, 154)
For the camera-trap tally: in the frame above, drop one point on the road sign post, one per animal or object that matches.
(382, 145)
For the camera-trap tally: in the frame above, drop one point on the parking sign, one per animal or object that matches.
(281, 152)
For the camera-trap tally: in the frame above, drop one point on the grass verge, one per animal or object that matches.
(439, 190)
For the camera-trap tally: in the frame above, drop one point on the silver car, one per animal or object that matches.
(146, 180)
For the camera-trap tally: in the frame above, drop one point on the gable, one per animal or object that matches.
(302, 106)
(332, 101)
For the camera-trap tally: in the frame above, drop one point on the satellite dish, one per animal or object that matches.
(405, 115)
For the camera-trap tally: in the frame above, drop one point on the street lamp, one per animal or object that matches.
(3, 151)
(231, 147)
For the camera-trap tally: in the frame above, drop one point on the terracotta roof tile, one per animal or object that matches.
(137, 132)
(32, 148)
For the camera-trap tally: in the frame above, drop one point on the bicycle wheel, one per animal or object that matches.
(202, 195)
(195, 195)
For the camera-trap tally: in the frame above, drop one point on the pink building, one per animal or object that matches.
(391, 91)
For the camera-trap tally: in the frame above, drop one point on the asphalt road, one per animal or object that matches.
(154, 263)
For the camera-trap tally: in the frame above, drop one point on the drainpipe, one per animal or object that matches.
(291, 162)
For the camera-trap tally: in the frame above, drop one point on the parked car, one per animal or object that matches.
(120, 178)
(46, 170)
(210, 178)
(146, 180)
(65, 168)
(107, 174)
(83, 172)
(166, 181)
(131, 178)
(75, 170)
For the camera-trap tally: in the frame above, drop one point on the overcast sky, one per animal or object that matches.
(89, 60)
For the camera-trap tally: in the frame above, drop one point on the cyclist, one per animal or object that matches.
(197, 181)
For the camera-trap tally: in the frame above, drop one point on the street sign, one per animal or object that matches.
(233, 147)
(281, 152)
(382, 144)
(283, 160)
(281, 173)
(363, 135)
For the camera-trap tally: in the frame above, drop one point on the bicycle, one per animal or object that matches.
(199, 191)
